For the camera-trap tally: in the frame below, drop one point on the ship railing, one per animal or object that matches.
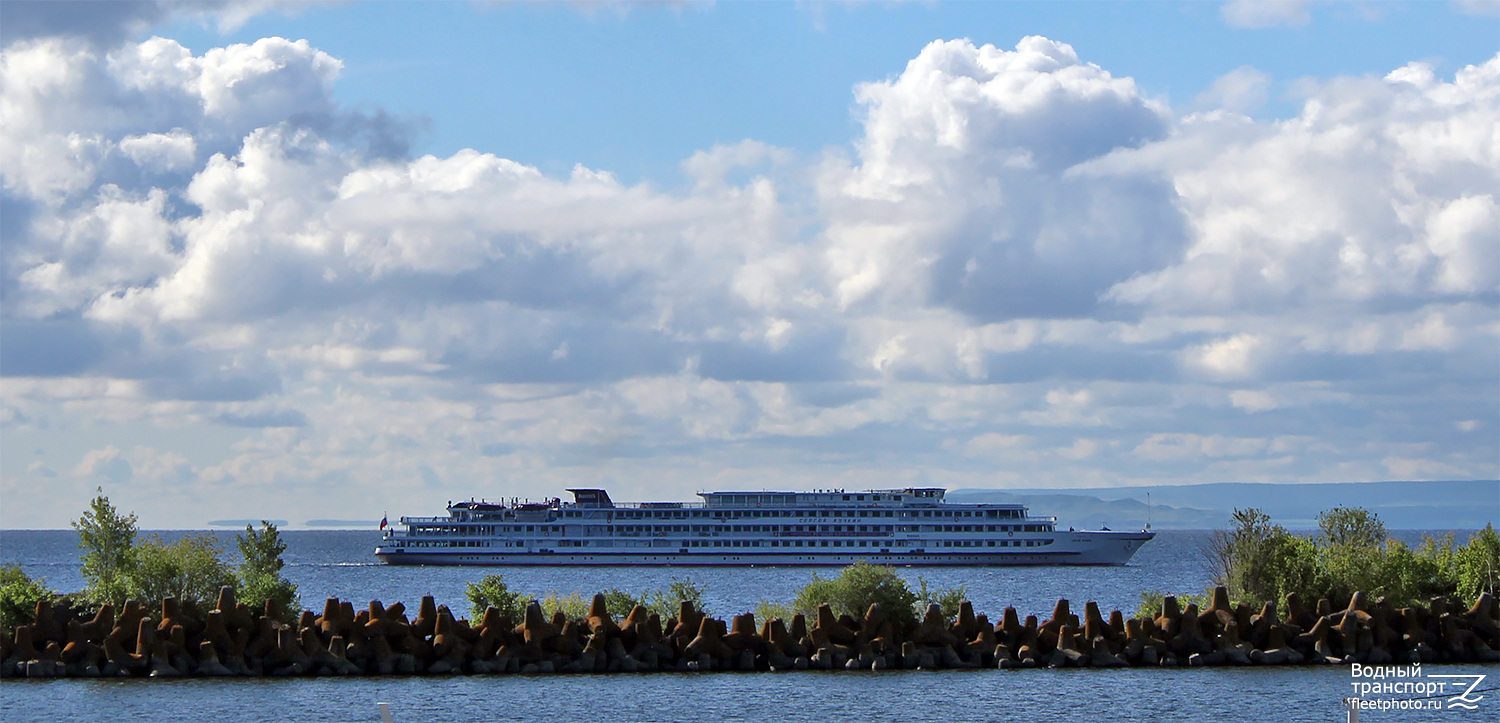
(426, 520)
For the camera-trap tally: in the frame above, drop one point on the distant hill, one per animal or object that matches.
(1418, 505)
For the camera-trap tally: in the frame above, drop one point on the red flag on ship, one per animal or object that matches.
(384, 520)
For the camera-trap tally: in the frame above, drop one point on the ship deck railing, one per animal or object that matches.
(442, 520)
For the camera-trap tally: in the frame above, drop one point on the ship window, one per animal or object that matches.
(846, 498)
(825, 543)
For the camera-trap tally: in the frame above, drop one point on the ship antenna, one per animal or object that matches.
(1148, 510)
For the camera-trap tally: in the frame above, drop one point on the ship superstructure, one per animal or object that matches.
(908, 526)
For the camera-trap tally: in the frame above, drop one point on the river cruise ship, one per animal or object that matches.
(911, 526)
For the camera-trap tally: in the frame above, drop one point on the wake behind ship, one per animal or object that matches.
(909, 526)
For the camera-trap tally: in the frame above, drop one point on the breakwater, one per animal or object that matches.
(233, 639)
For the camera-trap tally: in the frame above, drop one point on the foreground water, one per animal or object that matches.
(1264, 695)
(339, 563)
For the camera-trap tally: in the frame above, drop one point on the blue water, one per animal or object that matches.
(338, 563)
(1262, 695)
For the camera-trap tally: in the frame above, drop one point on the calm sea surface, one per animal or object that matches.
(340, 563)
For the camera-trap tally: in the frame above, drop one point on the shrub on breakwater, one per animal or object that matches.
(117, 565)
(1260, 561)
(19, 595)
(861, 585)
(492, 591)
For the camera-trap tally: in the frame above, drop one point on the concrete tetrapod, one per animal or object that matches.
(233, 639)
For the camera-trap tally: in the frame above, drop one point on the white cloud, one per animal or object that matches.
(968, 192)
(161, 152)
(105, 464)
(1251, 400)
(1381, 189)
(1177, 446)
(1490, 8)
(1021, 245)
(1242, 90)
(1265, 13)
(1236, 357)
(114, 20)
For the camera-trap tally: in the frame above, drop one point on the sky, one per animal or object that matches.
(332, 261)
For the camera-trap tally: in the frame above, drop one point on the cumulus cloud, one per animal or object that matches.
(1021, 261)
(972, 188)
(1380, 191)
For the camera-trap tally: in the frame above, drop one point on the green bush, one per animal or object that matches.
(570, 604)
(1151, 601)
(767, 610)
(188, 569)
(665, 603)
(492, 592)
(855, 589)
(1259, 561)
(947, 599)
(19, 594)
(117, 566)
(1477, 565)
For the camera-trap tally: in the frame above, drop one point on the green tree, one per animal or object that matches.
(19, 594)
(260, 569)
(189, 569)
(107, 539)
(1241, 556)
(1351, 526)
